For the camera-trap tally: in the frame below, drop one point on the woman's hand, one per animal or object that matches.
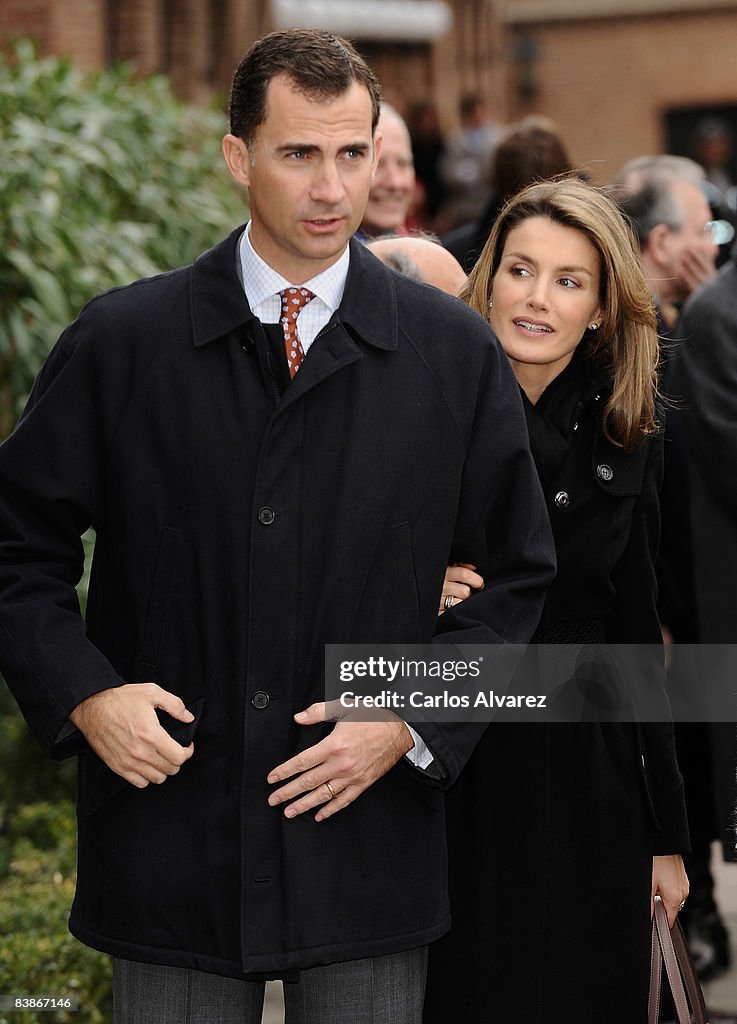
(670, 882)
(460, 581)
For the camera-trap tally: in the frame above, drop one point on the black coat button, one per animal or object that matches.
(266, 516)
(604, 472)
(562, 499)
(260, 700)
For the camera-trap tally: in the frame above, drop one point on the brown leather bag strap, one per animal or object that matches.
(669, 948)
(690, 978)
(656, 978)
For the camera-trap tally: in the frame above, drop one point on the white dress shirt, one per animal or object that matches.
(263, 284)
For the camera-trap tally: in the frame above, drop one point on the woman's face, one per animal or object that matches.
(545, 294)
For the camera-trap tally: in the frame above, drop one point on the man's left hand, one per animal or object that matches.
(351, 758)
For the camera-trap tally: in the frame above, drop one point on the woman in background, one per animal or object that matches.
(560, 834)
(529, 150)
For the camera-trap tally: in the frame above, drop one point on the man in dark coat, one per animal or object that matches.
(664, 199)
(258, 493)
(704, 384)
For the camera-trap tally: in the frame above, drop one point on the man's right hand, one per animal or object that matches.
(121, 726)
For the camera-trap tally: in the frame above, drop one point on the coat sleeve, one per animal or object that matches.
(502, 526)
(634, 620)
(51, 492)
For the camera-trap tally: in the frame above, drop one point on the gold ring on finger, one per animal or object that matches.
(332, 792)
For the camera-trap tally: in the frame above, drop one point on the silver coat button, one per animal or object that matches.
(562, 500)
(604, 472)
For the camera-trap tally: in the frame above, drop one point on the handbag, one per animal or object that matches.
(669, 948)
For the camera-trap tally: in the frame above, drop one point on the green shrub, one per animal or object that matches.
(38, 956)
(104, 179)
(26, 775)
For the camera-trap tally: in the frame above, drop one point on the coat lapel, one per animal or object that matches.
(217, 300)
(358, 322)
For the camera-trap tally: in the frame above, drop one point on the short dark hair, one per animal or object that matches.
(319, 64)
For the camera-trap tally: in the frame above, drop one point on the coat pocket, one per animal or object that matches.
(159, 597)
(405, 584)
(98, 783)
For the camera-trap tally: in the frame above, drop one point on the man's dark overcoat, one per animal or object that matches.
(704, 386)
(552, 827)
(238, 532)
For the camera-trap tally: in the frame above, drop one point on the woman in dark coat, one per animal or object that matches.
(560, 833)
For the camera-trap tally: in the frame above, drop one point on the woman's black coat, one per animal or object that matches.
(552, 827)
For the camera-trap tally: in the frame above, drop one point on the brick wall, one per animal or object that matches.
(26, 18)
(609, 83)
(77, 28)
(137, 34)
(80, 28)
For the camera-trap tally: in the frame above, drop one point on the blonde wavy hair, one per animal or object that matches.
(625, 348)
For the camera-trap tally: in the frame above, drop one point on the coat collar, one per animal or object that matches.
(218, 303)
(369, 306)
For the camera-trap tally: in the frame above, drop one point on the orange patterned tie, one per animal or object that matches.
(292, 301)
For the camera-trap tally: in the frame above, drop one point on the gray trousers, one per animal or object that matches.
(377, 990)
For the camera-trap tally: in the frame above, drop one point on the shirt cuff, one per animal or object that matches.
(419, 755)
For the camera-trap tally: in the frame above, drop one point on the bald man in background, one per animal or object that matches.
(422, 258)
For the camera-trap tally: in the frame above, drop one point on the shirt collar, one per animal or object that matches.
(260, 281)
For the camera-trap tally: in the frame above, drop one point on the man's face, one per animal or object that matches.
(308, 173)
(393, 188)
(689, 252)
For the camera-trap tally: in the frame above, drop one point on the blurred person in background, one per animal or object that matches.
(561, 833)
(427, 149)
(464, 167)
(664, 198)
(393, 187)
(531, 150)
(703, 383)
(714, 152)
